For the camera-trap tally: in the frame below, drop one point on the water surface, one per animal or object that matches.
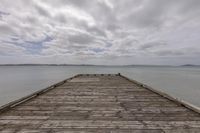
(19, 81)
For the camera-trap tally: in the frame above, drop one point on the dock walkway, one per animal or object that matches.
(98, 104)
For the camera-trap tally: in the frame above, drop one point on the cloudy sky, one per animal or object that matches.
(100, 31)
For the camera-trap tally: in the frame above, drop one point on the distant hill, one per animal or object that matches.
(190, 65)
(46, 65)
(136, 65)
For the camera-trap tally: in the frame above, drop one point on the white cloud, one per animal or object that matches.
(102, 31)
(7, 49)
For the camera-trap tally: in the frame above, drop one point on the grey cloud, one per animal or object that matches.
(190, 6)
(7, 49)
(102, 29)
(98, 31)
(156, 13)
(169, 53)
(177, 52)
(42, 11)
(80, 39)
(152, 14)
(77, 3)
(151, 45)
(5, 29)
(61, 18)
(2, 15)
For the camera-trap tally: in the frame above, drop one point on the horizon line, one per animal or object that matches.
(63, 64)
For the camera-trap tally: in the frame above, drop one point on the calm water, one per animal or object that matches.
(18, 81)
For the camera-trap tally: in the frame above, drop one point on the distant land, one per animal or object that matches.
(47, 65)
(190, 65)
(136, 65)
(75, 65)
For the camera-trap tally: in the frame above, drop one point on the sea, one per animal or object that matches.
(182, 82)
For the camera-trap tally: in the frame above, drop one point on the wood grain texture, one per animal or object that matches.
(99, 104)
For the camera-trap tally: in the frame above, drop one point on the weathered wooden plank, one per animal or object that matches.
(99, 103)
(80, 130)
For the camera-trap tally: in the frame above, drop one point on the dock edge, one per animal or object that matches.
(165, 95)
(33, 95)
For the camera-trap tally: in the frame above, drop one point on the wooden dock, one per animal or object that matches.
(99, 104)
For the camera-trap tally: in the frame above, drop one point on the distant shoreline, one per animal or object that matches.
(186, 65)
